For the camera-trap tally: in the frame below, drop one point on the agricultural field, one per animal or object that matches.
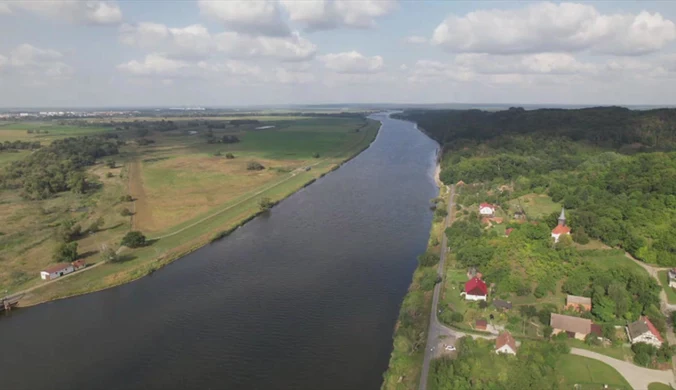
(185, 192)
(535, 205)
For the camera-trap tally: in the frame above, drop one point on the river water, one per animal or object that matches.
(305, 297)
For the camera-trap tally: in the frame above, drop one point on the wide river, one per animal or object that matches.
(305, 297)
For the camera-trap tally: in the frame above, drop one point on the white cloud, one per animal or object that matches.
(155, 65)
(292, 48)
(352, 62)
(415, 39)
(35, 65)
(74, 11)
(329, 14)
(190, 41)
(254, 17)
(541, 63)
(286, 76)
(547, 27)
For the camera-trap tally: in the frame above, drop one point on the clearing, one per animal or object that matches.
(590, 373)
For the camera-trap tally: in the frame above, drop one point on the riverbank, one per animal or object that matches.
(410, 332)
(191, 236)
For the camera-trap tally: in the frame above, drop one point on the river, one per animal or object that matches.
(303, 297)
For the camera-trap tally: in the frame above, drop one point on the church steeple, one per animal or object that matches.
(562, 218)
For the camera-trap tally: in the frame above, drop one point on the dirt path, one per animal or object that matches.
(142, 218)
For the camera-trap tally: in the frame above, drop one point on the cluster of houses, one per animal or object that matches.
(487, 213)
(641, 331)
(58, 270)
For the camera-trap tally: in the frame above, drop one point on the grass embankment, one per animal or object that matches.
(659, 386)
(589, 373)
(410, 333)
(664, 280)
(194, 175)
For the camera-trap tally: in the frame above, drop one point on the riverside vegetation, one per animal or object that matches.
(78, 187)
(613, 170)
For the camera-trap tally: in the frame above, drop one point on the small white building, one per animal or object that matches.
(486, 210)
(56, 271)
(192, 132)
(505, 343)
(672, 277)
(643, 331)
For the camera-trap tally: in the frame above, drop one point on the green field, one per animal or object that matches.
(659, 386)
(664, 280)
(535, 206)
(184, 197)
(590, 373)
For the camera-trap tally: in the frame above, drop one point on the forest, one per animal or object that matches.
(612, 168)
(57, 167)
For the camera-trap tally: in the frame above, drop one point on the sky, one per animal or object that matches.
(80, 53)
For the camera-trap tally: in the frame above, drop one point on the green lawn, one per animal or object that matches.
(586, 371)
(608, 259)
(620, 352)
(659, 386)
(664, 279)
(536, 206)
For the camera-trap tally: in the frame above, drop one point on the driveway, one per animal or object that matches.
(638, 377)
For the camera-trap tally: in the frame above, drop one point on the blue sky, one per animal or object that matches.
(225, 53)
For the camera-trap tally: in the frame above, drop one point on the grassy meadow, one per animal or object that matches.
(185, 192)
(590, 373)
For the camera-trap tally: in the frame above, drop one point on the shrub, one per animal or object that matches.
(109, 174)
(125, 212)
(126, 198)
(229, 156)
(540, 291)
(110, 163)
(315, 155)
(254, 166)
(428, 259)
(109, 255)
(457, 317)
(65, 252)
(483, 304)
(96, 225)
(218, 154)
(265, 203)
(134, 239)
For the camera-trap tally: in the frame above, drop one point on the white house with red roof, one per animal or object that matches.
(56, 271)
(505, 343)
(486, 210)
(643, 331)
(561, 228)
(475, 290)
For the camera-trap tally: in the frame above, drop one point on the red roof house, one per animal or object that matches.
(505, 343)
(508, 231)
(475, 289)
(481, 324)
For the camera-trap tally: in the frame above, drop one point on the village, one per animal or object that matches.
(472, 302)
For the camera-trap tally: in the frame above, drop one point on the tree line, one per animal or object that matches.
(58, 167)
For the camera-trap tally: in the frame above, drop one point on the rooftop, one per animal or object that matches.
(560, 229)
(571, 324)
(578, 300)
(505, 338)
(642, 326)
(57, 268)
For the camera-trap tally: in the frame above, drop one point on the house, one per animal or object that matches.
(561, 228)
(460, 183)
(505, 343)
(508, 231)
(502, 305)
(643, 331)
(486, 209)
(475, 289)
(578, 303)
(480, 325)
(78, 264)
(575, 327)
(56, 271)
(192, 132)
(672, 277)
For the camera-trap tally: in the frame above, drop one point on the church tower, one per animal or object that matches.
(562, 218)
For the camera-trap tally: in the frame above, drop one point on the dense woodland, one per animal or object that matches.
(57, 167)
(613, 168)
